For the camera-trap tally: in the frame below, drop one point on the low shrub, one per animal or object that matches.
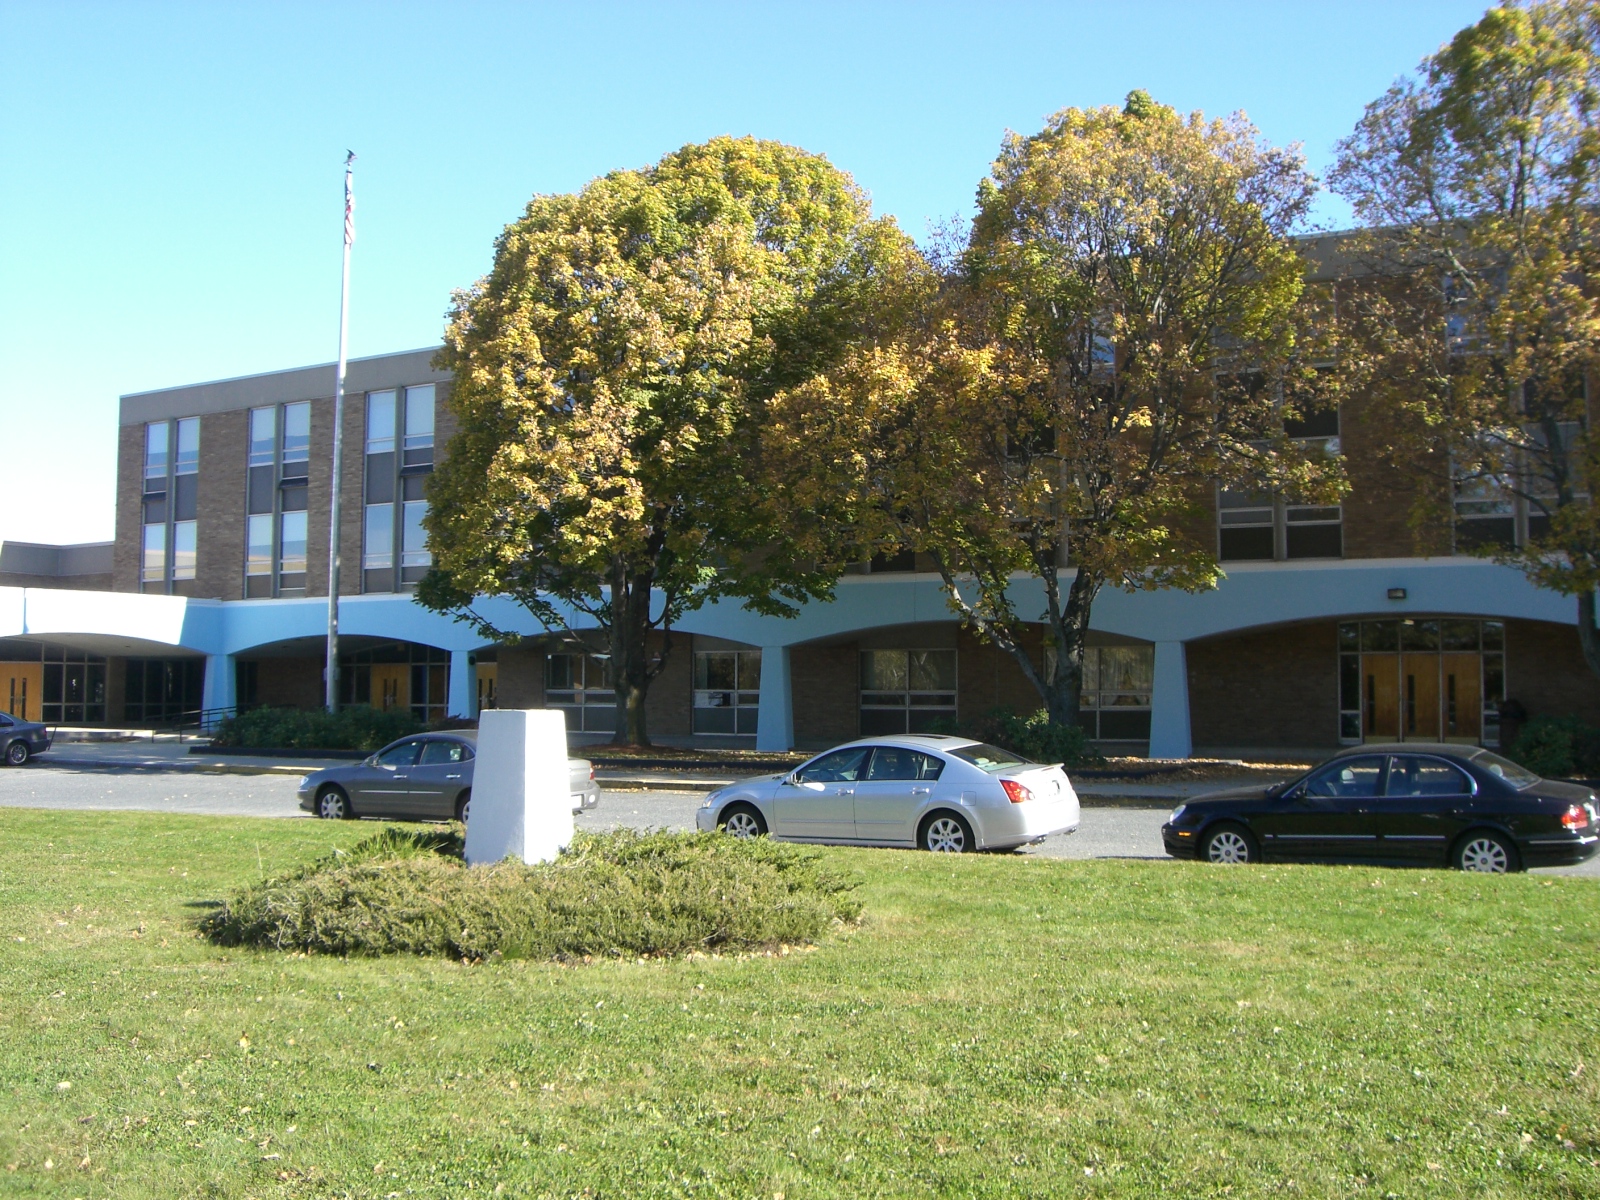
(621, 893)
(358, 727)
(1033, 737)
(1557, 747)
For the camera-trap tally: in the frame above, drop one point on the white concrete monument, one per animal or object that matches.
(521, 793)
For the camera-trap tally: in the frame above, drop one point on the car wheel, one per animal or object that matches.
(464, 806)
(17, 754)
(742, 821)
(334, 805)
(946, 833)
(1230, 844)
(1486, 852)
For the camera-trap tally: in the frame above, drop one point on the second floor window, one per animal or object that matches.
(399, 459)
(278, 465)
(1267, 527)
(170, 503)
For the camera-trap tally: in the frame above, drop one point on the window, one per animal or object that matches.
(989, 758)
(296, 438)
(896, 763)
(1261, 526)
(838, 766)
(398, 757)
(292, 549)
(727, 691)
(170, 503)
(440, 753)
(161, 690)
(1114, 704)
(1348, 777)
(1421, 679)
(397, 676)
(906, 691)
(277, 496)
(154, 569)
(576, 684)
(1412, 776)
(399, 458)
(73, 686)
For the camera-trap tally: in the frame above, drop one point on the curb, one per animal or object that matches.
(171, 768)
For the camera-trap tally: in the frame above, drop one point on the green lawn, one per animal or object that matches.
(996, 1026)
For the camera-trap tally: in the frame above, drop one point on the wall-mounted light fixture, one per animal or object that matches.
(1397, 593)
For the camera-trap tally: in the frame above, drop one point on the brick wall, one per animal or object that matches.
(1377, 512)
(1545, 670)
(519, 682)
(989, 678)
(130, 497)
(75, 583)
(823, 681)
(668, 707)
(220, 537)
(289, 682)
(1268, 688)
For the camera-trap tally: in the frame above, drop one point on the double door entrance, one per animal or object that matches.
(1423, 680)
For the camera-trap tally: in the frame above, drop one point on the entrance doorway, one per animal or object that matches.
(1423, 680)
(21, 685)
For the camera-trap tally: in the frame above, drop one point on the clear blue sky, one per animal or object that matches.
(170, 173)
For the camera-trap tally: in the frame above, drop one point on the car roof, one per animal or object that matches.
(914, 741)
(1459, 749)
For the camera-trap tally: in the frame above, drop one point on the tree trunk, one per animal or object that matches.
(1588, 635)
(630, 671)
(1063, 692)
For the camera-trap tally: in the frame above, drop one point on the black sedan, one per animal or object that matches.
(1411, 802)
(20, 740)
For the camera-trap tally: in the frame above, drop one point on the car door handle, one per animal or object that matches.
(844, 791)
(921, 791)
(452, 777)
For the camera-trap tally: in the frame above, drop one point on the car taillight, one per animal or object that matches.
(1017, 793)
(591, 774)
(1576, 816)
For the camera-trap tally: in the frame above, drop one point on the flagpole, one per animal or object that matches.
(332, 671)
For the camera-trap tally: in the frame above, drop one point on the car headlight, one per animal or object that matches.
(305, 782)
(1177, 814)
(711, 800)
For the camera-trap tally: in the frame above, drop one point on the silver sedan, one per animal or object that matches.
(423, 778)
(940, 793)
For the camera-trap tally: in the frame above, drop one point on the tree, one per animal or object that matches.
(607, 371)
(1478, 182)
(1126, 323)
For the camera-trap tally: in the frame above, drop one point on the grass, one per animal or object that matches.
(995, 1026)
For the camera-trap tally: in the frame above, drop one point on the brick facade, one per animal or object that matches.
(130, 498)
(1546, 671)
(219, 541)
(1271, 688)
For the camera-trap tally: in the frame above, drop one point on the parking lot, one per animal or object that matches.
(1105, 832)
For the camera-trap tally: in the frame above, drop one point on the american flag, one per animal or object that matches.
(349, 200)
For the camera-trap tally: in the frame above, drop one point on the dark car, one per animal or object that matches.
(21, 740)
(426, 777)
(1407, 803)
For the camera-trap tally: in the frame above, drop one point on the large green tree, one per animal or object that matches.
(1126, 325)
(608, 372)
(1479, 180)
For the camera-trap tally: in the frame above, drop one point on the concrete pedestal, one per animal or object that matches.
(521, 799)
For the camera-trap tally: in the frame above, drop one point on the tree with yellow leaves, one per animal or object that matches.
(609, 372)
(1126, 326)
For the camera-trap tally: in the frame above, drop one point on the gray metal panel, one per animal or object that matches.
(281, 387)
(37, 558)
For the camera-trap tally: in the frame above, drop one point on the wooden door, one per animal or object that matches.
(21, 688)
(488, 682)
(1419, 684)
(391, 686)
(1380, 697)
(1463, 697)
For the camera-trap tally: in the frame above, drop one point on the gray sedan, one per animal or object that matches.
(20, 740)
(939, 793)
(423, 778)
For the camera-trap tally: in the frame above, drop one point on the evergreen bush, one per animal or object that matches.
(357, 727)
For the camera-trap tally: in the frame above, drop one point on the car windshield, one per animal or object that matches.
(1516, 775)
(989, 758)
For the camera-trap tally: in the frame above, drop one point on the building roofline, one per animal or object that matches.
(322, 366)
